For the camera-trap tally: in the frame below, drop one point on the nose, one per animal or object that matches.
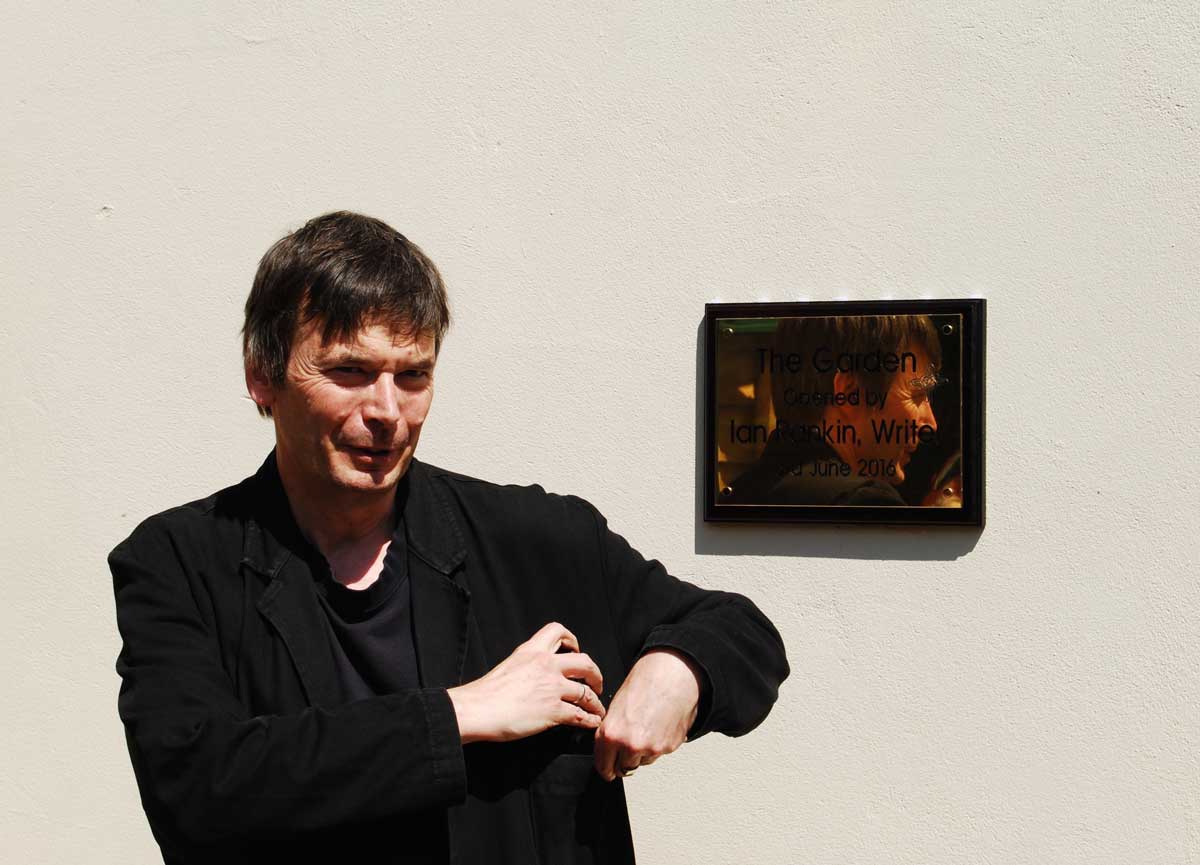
(927, 414)
(383, 404)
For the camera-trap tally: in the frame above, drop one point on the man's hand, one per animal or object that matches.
(531, 690)
(651, 713)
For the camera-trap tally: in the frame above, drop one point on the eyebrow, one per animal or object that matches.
(345, 356)
(929, 381)
(348, 356)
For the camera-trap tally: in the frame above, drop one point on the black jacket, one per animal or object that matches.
(229, 699)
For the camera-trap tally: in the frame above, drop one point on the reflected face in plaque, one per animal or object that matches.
(349, 414)
(893, 433)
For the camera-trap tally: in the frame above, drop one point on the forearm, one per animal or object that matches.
(723, 633)
(216, 777)
(740, 652)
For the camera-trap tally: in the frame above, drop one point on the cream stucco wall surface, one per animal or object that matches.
(587, 176)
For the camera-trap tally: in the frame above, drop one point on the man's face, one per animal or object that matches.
(350, 413)
(907, 400)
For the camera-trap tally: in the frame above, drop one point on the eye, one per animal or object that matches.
(348, 375)
(416, 373)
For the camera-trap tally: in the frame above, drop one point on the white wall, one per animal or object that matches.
(587, 176)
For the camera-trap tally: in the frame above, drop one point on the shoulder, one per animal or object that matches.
(870, 492)
(202, 523)
(528, 506)
(801, 487)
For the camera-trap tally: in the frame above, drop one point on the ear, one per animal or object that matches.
(845, 382)
(259, 387)
(853, 413)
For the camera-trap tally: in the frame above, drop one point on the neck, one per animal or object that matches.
(334, 519)
(847, 451)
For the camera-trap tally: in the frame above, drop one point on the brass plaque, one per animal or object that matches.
(857, 411)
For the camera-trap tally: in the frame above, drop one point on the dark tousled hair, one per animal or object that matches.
(340, 271)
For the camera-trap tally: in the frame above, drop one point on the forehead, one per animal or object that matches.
(374, 339)
(922, 356)
(905, 377)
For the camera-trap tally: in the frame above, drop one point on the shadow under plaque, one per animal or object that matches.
(845, 412)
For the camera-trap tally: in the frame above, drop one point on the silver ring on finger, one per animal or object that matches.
(582, 694)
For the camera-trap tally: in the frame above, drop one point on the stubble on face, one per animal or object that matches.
(350, 413)
(904, 402)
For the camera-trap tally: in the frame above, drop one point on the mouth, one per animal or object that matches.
(373, 454)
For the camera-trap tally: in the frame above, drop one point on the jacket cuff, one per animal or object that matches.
(668, 637)
(445, 746)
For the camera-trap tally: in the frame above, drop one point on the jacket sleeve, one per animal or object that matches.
(212, 772)
(729, 638)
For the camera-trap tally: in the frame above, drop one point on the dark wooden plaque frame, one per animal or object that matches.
(973, 332)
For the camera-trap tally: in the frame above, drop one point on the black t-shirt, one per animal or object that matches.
(373, 646)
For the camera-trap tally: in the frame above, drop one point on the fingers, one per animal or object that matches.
(625, 767)
(612, 760)
(581, 682)
(587, 712)
(578, 665)
(603, 755)
(579, 694)
(574, 716)
(551, 636)
(619, 749)
(618, 762)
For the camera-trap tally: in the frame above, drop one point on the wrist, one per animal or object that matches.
(690, 676)
(468, 728)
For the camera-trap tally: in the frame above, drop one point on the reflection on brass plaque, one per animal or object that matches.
(857, 411)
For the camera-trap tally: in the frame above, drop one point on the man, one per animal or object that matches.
(851, 400)
(353, 653)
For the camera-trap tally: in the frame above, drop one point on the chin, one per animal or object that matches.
(365, 481)
(367, 478)
(355, 478)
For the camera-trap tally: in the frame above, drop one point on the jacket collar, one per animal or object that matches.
(277, 551)
(272, 535)
(433, 530)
